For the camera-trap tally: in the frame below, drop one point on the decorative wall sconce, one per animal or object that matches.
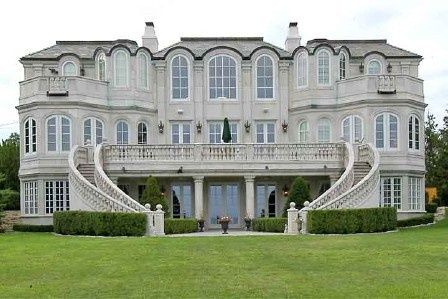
(247, 126)
(82, 72)
(162, 190)
(285, 190)
(199, 126)
(389, 68)
(53, 71)
(361, 68)
(161, 127)
(285, 126)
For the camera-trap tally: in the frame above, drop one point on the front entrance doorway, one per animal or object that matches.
(224, 200)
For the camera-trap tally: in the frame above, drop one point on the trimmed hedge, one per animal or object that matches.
(431, 207)
(350, 221)
(99, 223)
(181, 226)
(425, 219)
(32, 228)
(275, 225)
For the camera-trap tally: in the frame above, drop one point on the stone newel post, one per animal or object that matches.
(303, 218)
(293, 217)
(150, 220)
(159, 221)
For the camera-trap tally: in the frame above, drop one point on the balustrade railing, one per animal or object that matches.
(57, 86)
(386, 84)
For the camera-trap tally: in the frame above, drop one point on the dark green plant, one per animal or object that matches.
(2, 214)
(154, 196)
(275, 225)
(32, 228)
(298, 193)
(10, 199)
(431, 207)
(425, 219)
(226, 134)
(180, 226)
(10, 162)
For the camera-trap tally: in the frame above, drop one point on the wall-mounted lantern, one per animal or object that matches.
(361, 68)
(389, 68)
(199, 126)
(285, 126)
(285, 191)
(161, 127)
(247, 126)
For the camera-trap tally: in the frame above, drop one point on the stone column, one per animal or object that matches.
(250, 196)
(199, 197)
(293, 217)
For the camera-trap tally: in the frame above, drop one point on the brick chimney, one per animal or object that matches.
(293, 38)
(149, 38)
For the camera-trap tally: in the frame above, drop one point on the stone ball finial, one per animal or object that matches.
(292, 205)
(159, 207)
(148, 206)
(306, 203)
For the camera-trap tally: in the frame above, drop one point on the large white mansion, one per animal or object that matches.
(98, 117)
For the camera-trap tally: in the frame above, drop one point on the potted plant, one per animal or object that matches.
(224, 221)
(247, 221)
(201, 222)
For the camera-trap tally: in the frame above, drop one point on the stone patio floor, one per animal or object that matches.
(231, 233)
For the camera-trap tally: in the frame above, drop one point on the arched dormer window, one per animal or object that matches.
(265, 78)
(352, 129)
(222, 77)
(58, 133)
(414, 132)
(30, 131)
(374, 67)
(323, 130)
(304, 132)
(323, 67)
(302, 69)
(69, 69)
(143, 77)
(142, 133)
(121, 69)
(386, 131)
(101, 67)
(93, 129)
(179, 78)
(342, 66)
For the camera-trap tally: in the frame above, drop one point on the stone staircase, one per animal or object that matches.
(361, 169)
(88, 171)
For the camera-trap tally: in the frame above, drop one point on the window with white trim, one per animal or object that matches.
(93, 131)
(222, 77)
(414, 132)
(122, 132)
(374, 67)
(179, 78)
(323, 67)
(143, 77)
(30, 197)
(215, 132)
(302, 69)
(323, 130)
(391, 193)
(304, 132)
(386, 131)
(101, 67)
(265, 78)
(69, 69)
(142, 131)
(121, 69)
(182, 201)
(180, 133)
(56, 196)
(265, 132)
(342, 66)
(352, 129)
(30, 130)
(415, 193)
(58, 133)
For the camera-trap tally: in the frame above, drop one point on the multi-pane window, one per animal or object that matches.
(121, 69)
(265, 132)
(143, 78)
(374, 67)
(69, 69)
(386, 131)
(122, 132)
(215, 132)
(180, 133)
(415, 193)
(101, 67)
(323, 67)
(58, 133)
(302, 69)
(56, 196)
(93, 131)
(265, 78)
(342, 66)
(323, 130)
(222, 77)
(391, 192)
(265, 200)
(304, 132)
(30, 197)
(182, 201)
(179, 78)
(142, 131)
(352, 129)
(414, 132)
(30, 136)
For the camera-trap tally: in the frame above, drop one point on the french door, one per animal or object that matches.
(224, 200)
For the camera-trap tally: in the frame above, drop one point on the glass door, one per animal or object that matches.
(181, 195)
(265, 200)
(224, 200)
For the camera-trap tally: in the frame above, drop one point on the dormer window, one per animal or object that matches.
(222, 77)
(121, 69)
(101, 67)
(342, 66)
(69, 69)
(323, 67)
(374, 67)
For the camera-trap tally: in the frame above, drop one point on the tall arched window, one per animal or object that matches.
(323, 130)
(304, 132)
(58, 133)
(265, 78)
(30, 136)
(122, 132)
(142, 133)
(143, 78)
(101, 67)
(69, 69)
(352, 129)
(374, 67)
(93, 131)
(222, 77)
(386, 131)
(323, 67)
(179, 78)
(342, 66)
(414, 132)
(302, 69)
(121, 68)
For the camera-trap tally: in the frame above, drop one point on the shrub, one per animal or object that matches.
(350, 221)
(180, 226)
(153, 196)
(2, 214)
(299, 193)
(10, 199)
(99, 223)
(425, 219)
(431, 207)
(275, 225)
(32, 228)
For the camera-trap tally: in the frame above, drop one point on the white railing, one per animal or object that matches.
(107, 186)
(386, 84)
(57, 86)
(344, 183)
(81, 189)
(364, 188)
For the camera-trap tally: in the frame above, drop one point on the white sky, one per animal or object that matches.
(28, 26)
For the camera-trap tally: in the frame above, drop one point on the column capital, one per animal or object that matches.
(198, 178)
(249, 178)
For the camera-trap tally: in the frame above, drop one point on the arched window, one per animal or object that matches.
(323, 67)
(121, 69)
(30, 136)
(222, 77)
(386, 131)
(69, 69)
(101, 67)
(304, 132)
(265, 78)
(142, 133)
(323, 130)
(58, 133)
(414, 132)
(342, 66)
(143, 78)
(179, 78)
(374, 67)
(93, 131)
(302, 69)
(352, 129)
(122, 132)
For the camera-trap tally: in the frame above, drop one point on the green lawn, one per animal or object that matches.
(410, 263)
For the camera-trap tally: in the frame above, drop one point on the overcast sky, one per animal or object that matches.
(28, 26)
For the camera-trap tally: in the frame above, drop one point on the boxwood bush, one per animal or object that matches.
(99, 223)
(431, 207)
(180, 226)
(425, 219)
(32, 228)
(275, 225)
(350, 221)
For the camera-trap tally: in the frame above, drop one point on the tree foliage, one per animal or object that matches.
(10, 162)
(153, 196)
(299, 193)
